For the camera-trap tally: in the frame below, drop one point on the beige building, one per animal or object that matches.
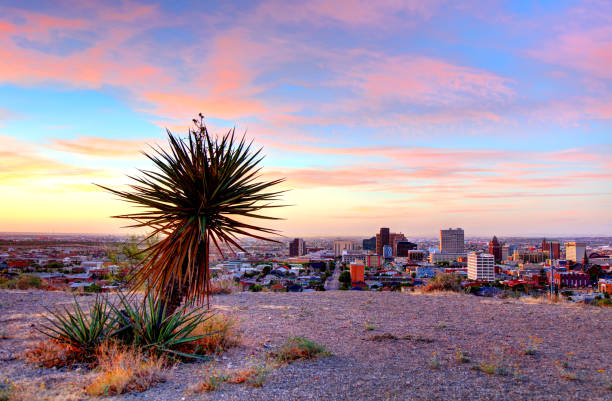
(574, 251)
(481, 266)
(452, 240)
(340, 246)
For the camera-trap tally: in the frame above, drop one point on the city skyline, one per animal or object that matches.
(494, 117)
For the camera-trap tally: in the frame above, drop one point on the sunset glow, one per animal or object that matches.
(492, 116)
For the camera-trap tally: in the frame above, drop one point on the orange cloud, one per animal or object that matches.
(21, 164)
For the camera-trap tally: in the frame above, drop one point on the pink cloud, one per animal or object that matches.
(585, 50)
(350, 12)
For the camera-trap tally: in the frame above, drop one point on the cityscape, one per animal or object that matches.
(273, 200)
(387, 261)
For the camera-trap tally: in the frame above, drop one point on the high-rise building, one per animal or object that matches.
(382, 239)
(297, 247)
(402, 247)
(387, 252)
(340, 246)
(369, 244)
(481, 266)
(452, 241)
(552, 247)
(574, 251)
(495, 249)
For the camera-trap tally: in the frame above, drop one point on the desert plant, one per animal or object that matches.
(444, 282)
(217, 333)
(212, 381)
(223, 286)
(434, 362)
(22, 282)
(370, 326)
(125, 369)
(462, 356)
(53, 354)
(150, 327)
(532, 345)
(81, 331)
(299, 348)
(202, 192)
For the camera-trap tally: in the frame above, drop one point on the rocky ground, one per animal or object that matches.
(490, 331)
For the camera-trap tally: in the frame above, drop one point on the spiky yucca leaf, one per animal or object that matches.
(82, 331)
(147, 325)
(204, 190)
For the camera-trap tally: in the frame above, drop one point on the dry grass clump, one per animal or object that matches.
(444, 282)
(50, 354)
(125, 369)
(254, 376)
(218, 333)
(22, 282)
(224, 286)
(299, 348)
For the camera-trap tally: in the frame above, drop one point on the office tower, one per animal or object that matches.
(369, 244)
(387, 238)
(387, 252)
(402, 247)
(574, 251)
(452, 241)
(505, 253)
(297, 247)
(382, 239)
(481, 266)
(340, 246)
(552, 247)
(495, 249)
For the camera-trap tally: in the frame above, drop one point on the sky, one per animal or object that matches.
(415, 115)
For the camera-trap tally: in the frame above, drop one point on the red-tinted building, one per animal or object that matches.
(552, 247)
(495, 249)
(570, 279)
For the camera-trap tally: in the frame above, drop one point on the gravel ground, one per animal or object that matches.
(362, 369)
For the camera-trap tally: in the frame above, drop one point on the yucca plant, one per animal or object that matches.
(81, 331)
(204, 190)
(147, 325)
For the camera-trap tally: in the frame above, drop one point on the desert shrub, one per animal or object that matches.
(444, 282)
(299, 348)
(223, 286)
(53, 354)
(22, 282)
(243, 375)
(606, 302)
(434, 362)
(532, 345)
(83, 332)
(125, 369)
(93, 288)
(217, 332)
(148, 326)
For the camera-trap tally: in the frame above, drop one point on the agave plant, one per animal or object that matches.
(147, 325)
(205, 189)
(80, 330)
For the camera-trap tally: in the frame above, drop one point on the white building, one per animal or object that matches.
(349, 256)
(574, 251)
(481, 266)
(445, 257)
(452, 240)
(340, 246)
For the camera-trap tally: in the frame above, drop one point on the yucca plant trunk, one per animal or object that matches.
(174, 296)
